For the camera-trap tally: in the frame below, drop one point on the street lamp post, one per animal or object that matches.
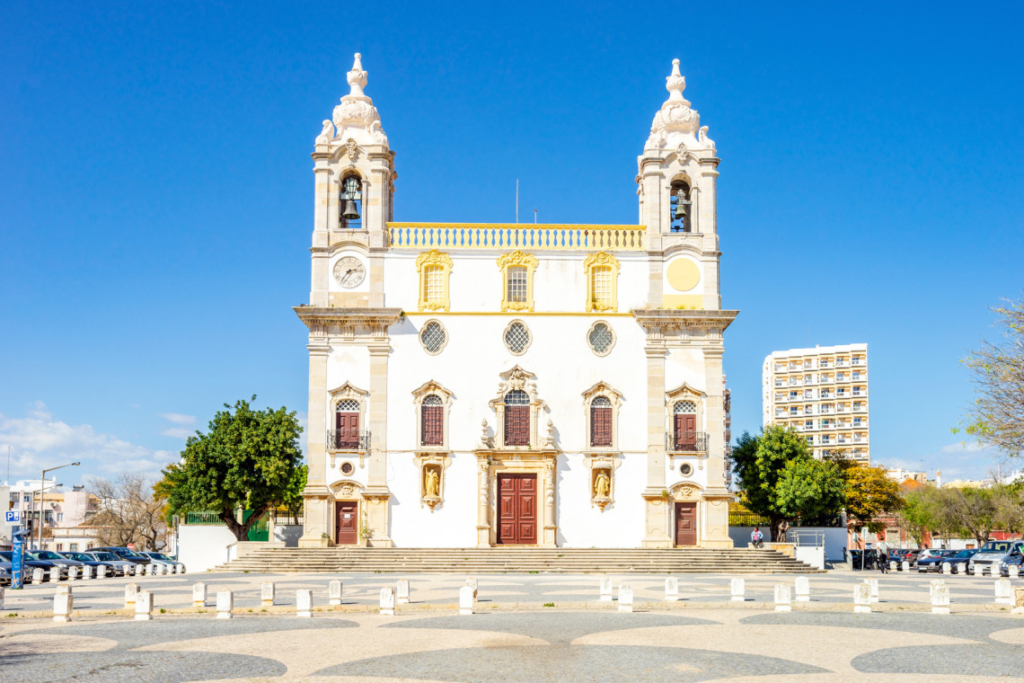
(42, 483)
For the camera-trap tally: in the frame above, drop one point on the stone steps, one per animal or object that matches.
(517, 560)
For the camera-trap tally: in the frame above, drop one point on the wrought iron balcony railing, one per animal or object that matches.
(686, 442)
(348, 441)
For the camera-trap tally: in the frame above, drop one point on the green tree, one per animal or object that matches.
(760, 464)
(292, 502)
(247, 460)
(915, 516)
(871, 494)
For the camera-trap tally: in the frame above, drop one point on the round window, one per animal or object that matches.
(517, 338)
(686, 469)
(433, 337)
(347, 468)
(600, 338)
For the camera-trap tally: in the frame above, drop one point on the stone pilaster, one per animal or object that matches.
(657, 532)
(483, 516)
(317, 508)
(716, 508)
(377, 494)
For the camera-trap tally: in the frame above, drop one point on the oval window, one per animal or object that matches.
(433, 337)
(517, 338)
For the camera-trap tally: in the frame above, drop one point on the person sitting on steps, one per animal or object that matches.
(757, 538)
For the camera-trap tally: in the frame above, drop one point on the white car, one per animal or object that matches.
(169, 562)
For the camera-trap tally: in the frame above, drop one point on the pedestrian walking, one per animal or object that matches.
(883, 556)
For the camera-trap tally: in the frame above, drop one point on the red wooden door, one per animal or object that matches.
(346, 430)
(517, 509)
(686, 524)
(686, 432)
(347, 526)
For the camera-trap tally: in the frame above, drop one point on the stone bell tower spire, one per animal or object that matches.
(355, 176)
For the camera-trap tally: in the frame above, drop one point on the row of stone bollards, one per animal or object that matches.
(1012, 571)
(87, 572)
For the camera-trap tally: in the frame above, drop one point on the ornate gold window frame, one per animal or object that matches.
(517, 258)
(602, 259)
(443, 261)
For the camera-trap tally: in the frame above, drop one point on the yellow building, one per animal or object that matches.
(823, 394)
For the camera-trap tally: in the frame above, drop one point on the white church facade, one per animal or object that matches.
(481, 385)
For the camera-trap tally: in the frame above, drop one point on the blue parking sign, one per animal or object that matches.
(12, 516)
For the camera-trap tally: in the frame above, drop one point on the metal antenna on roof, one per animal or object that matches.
(517, 200)
(535, 215)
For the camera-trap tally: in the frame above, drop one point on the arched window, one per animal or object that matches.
(346, 424)
(680, 207)
(432, 422)
(685, 419)
(350, 210)
(601, 422)
(517, 418)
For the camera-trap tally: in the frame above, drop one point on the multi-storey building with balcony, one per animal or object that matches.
(823, 394)
(507, 384)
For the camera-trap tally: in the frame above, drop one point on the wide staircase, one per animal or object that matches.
(518, 560)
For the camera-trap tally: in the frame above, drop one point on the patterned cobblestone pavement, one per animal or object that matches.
(696, 640)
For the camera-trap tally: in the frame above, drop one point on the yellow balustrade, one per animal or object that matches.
(447, 236)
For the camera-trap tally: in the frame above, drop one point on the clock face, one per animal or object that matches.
(349, 272)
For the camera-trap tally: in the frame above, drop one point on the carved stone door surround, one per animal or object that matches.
(544, 464)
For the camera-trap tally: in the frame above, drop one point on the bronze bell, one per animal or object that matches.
(350, 211)
(681, 203)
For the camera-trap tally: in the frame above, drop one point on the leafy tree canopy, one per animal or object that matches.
(248, 459)
(871, 494)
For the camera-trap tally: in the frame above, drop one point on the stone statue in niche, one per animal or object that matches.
(431, 486)
(602, 492)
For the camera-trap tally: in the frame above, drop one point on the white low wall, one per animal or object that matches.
(835, 538)
(202, 547)
(812, 555)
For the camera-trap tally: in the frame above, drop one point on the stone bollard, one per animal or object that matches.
(144, 606)
(862, 599)
(64, 589)
(803, 589)
(671, 589)
(893, 565)
(625, 598)
(940, 599)
(181, 568)
(783, 598)
(1018, 600)
(88, 572)
(467, 599)
(1013, 571)
(737, 586)
(873, 584)
(304, 603)
(267, 591)
(199, 595)
(334, 589)
(164, 570)
(472, 583)
(905, 566)
(37, 576)
(1004, 592)
(947, 568)
(225, 603)
(72, 573)
(606, 590)
(387, 601)
(1, 597)
(101, 572)
(131, 592)
(402, 592)
(63, 604)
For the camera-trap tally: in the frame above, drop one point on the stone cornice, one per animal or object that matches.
(319, 320)
(673, 318)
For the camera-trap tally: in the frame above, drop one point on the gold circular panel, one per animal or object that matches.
(683, 274)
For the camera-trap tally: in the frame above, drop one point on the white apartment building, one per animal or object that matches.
(823, 394)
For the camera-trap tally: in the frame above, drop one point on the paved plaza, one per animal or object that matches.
(529, 628)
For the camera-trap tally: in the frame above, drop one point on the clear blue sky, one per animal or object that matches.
(157, 192)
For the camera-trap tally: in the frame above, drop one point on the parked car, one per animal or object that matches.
(958, 561)
(56, 558)
(870, 558)
(933, 563)
(908, 555)
(120, 567)
(126, 554)
(51, 571)
(997, 557)
(6, 572)
(99, 567)
(170, 562)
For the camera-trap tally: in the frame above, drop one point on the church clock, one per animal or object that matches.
(349, 272)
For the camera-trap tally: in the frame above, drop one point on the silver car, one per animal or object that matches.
(121, 567)
(169, 562)
(997, 557)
